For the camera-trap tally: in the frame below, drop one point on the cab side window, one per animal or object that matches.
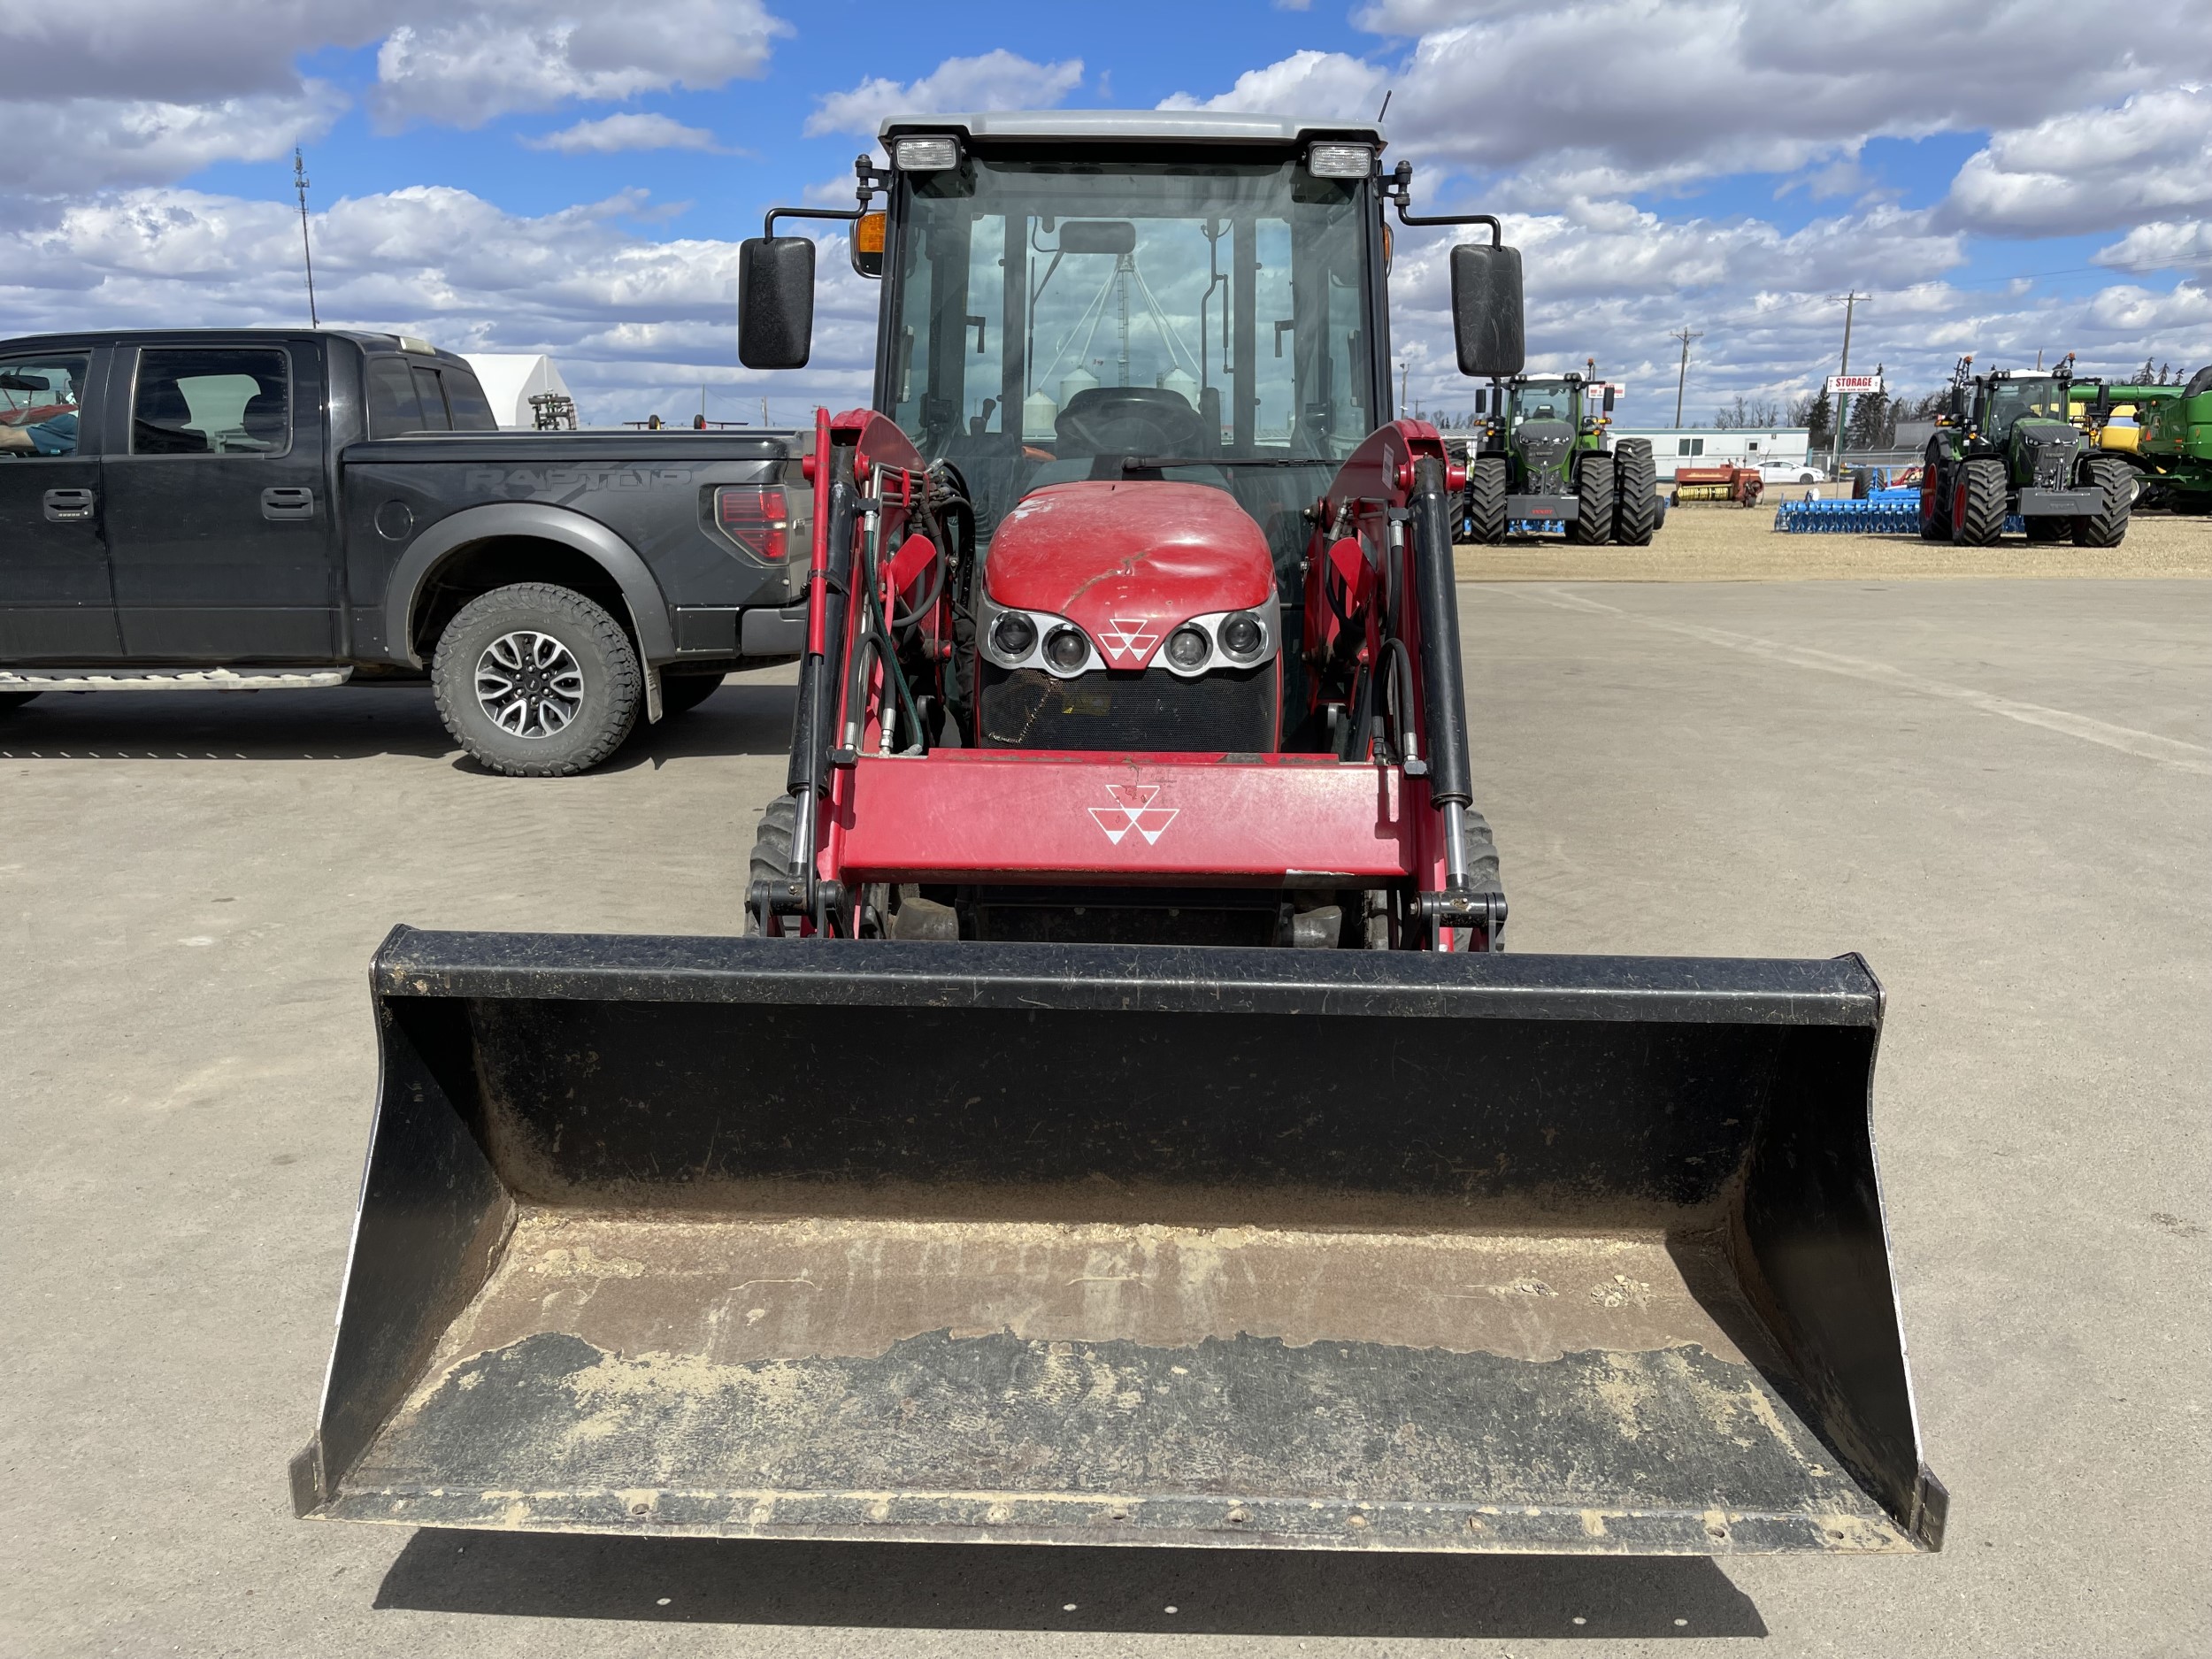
(393, 407)
(213, 400)
(471, 410)
(40, 398)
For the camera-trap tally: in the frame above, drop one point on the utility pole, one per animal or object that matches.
(1682, 380)
(1849, 302)
(307, 254)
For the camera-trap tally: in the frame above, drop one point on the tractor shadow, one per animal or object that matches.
(1075, 1589)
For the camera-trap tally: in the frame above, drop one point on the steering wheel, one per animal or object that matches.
(1129, 420)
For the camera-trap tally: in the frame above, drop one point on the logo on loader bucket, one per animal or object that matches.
(1132, 809)
(1127, 636)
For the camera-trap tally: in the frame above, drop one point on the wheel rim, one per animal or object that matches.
(529, 685)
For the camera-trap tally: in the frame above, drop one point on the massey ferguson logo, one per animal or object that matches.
(1132, 809)
(1127, 636)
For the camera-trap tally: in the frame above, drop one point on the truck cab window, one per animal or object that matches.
(39, 401)
(212, 401)
(393, 405)
(472, 410)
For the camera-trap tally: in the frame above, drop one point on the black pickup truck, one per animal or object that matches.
(257, 509)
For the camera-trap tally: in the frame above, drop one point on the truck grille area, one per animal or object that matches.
(1229, 710)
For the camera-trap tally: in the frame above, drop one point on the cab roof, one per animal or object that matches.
(1182, 127)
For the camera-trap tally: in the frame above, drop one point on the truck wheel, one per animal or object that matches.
(1636, 492)
(1594, 491)
(682, 693)
(537, 682)
(772, 850)
(10, 701)
(2116, 478)
(1977, 503)
(1485, 498)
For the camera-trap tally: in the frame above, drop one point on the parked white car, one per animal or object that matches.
(1791, 472)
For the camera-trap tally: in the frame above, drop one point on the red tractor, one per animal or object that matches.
(1121, 1125)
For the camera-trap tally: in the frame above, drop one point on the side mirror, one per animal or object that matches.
(775, 302)
(1609, 400)
(1486, 310)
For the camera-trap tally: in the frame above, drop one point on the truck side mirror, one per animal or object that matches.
(775, 302)
(1486, 310)
(1609, 400)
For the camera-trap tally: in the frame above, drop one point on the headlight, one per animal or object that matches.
(1242, 637)
(1341, 161)
(1014, 635)
(1067, 650)
(927, 155)
(1188, 647)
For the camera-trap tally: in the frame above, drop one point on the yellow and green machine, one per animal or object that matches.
(2164, 431)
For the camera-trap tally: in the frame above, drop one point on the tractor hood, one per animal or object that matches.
(1126, 562)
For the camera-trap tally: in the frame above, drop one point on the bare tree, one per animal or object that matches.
(1744, 413)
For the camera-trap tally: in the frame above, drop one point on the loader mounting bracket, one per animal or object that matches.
(1459, 908)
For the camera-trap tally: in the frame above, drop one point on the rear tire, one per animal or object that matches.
(1485, 498)
(1636, 493)
(1935, 504)
(770, 860)
(10, 701)
(1593, 494)
(2115, 477)
(1977, 503)
(2048, 529)
(682, 693)
(537, 682)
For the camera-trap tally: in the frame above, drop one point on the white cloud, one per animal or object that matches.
(998, 79)
(2161, 246)
(465, 69)
(2092, 170)
(1320, 85)
(613, 134)
(115, 142)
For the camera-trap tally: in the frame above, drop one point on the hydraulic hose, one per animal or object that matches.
(1436, 599)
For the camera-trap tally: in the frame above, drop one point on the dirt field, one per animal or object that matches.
(1720, 543)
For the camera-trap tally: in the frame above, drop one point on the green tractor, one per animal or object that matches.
(1540, 460)
(2164, 432)
(2009, 447)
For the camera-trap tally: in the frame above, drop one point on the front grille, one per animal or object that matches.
(1228, 712)
(2050, 457)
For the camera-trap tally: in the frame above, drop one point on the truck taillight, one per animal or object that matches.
(755, 517)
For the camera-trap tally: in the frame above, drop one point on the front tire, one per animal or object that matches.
(1935, 503)
(1977, 503)
(770, 860)
(1486, 499)
(1593, 493)
(537, 682)
(2106, 526)
(1636, 493)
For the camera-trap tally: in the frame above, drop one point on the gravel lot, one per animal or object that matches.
(1999, 791)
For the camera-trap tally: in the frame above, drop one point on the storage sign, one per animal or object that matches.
(1854, 383)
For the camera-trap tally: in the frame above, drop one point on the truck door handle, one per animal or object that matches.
(70, 506)
(288, 501)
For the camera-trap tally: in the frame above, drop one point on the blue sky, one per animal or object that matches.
(532, 175)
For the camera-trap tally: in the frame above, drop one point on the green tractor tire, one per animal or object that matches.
(1635, 492)
(2106, 527)
(1978, 502)
(1594, 495)
(1485, 498)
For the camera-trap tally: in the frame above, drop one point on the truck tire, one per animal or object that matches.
(1635, 491)
(10, 701)
(1593, 493)
(772, 850)
(1486, 499)
(536, 680)
(2114, 477)
(1977, 503)
(682, 693)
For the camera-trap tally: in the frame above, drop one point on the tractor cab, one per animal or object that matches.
(2003, 399)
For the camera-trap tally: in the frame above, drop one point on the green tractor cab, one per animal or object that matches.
(2009, 447)
(1541, 461)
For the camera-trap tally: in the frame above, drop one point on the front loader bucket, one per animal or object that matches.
(1102, 1245)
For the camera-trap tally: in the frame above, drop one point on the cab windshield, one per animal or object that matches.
(2011, 401)
(1543, 400)
(1054, 319)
